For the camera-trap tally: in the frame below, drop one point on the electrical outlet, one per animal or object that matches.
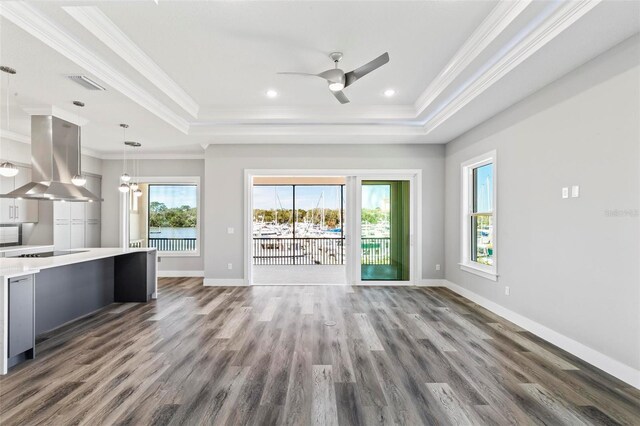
(507, 290)
(229, 266)
(575, 191)
(437, 266)
(565, 192)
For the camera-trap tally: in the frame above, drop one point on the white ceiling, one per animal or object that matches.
(185, 74)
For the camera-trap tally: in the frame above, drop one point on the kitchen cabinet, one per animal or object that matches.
(77, 224)
(93, 214)
(76, 234)
(6, 204)
(14, 210)
(21, 316)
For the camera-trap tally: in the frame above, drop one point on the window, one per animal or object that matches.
(172, 218)
(478, 230)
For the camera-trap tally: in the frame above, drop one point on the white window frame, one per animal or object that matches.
(466, 179)
(176, 180)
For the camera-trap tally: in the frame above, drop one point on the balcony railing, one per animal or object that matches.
(173, 244)
(298, 251)
(317, 251)
(376, 251)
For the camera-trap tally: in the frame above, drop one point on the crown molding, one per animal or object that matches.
(56, 111)
(501, 16)
(562, 18)
(13, 136)
(153, 156)
(302, 115)
(103, 28)
(305, 129)
(38, 25)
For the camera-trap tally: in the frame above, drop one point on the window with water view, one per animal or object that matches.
(482, 215)
(172, 217)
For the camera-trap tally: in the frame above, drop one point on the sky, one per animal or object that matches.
(173, 195)
(307, 197)
(264, 197)
(484, 187)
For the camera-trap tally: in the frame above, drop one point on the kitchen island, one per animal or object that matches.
(41, 294)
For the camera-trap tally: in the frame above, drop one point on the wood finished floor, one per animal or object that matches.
(264, 355)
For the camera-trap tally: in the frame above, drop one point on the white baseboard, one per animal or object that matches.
(604, 362)
(224, 282)
(431, 282)
(177, 274)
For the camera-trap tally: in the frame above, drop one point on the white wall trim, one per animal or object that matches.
(604, 362)
(150, 156)
(500, 17)
(173, 274)
(431, 282)
(225, 282)
(30, 19)
(561, 18)
(13, 136)
(98, 24)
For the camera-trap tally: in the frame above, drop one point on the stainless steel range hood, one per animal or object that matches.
(54, 161)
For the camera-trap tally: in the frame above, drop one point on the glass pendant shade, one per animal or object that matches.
(78, 180)
(125, 177)
(133, 186)
(123, 188)
(8, 169)
(137, 192)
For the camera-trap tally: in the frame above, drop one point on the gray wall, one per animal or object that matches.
(111, 171)
(569, 264)
(224, 191)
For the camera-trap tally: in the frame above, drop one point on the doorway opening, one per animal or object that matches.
(298, 230)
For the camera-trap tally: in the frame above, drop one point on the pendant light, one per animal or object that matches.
(78, 179)
(124, 177)
(134, 184)
(136, 170)
(7, 168)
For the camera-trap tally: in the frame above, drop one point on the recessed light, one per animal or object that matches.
(271, 93)
(389, 93)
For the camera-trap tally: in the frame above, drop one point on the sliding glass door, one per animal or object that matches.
(385, 231)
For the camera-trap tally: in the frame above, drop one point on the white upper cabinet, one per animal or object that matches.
(14, 210)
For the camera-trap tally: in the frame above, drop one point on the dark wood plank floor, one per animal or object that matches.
(306, 355)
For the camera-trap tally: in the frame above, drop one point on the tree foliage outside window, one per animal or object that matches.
(161, 216)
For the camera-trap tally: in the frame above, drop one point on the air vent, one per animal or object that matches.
(86, 82)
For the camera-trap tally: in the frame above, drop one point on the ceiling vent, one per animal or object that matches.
(86, 82)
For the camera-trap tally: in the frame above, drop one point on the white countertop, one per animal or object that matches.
(25, 247)
(16, 266)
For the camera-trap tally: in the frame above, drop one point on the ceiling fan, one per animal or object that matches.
(338, 79)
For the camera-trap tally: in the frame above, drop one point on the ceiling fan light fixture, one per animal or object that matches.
(336, 86)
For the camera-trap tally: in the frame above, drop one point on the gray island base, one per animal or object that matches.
(55, 292)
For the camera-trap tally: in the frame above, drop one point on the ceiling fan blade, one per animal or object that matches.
(341, 97)
(299, 73)
(352, 76)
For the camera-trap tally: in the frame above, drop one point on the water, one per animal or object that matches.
(172, 233)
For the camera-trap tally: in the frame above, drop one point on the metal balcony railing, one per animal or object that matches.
(173, 244)
(317, 251)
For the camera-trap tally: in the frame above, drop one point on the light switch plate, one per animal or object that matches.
(230, 230)
(575, 191)
(565, 192)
